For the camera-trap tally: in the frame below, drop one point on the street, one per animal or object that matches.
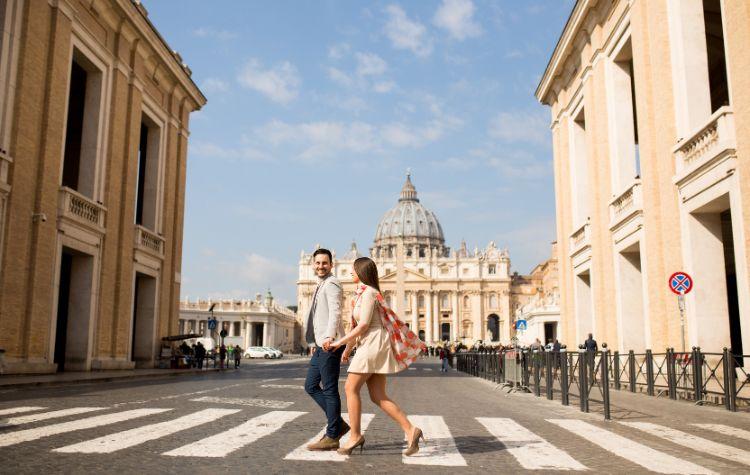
(258, 420)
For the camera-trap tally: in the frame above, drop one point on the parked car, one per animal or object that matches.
(259, 352)
(276, 352)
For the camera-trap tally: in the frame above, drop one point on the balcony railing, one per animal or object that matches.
(626, 204)
(580, 238)
(709, 142)
(81, 209)
(148, 241)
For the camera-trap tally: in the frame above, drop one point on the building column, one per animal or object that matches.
(435, 298)
(414, 313)
(252, 333)
(230, 331)
(454, 325)
(246, 336)
(428, 318)
(265, 334)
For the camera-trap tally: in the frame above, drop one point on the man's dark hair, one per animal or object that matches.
(324, 251)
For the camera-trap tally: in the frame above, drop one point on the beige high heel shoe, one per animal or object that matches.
(348, 450)
(413, 446)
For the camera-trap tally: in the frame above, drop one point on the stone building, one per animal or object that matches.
(447, 295)
(259, 322)
(650, 105)
(94, 110)
(537, 298)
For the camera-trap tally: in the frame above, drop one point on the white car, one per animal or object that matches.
(259, 352)
(277, 353)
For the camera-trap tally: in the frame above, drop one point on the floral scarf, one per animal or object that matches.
(405, 343)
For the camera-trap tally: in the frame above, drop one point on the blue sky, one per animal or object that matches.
(317, 109)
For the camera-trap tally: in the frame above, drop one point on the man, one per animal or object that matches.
(200, 353)
(323, 327)
(237, 356)
(590, 344)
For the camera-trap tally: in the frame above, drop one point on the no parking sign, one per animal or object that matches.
(680, 283)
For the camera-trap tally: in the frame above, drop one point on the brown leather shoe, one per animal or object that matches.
(344, 430)
(325, 443)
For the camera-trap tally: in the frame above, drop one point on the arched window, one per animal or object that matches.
(467, 302)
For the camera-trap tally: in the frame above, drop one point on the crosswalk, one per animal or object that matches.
(651, 446)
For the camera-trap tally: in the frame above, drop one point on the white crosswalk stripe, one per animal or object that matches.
(18, 410)
(43, 416)
(531, 451)
(693, 442)
(230, 440)
(139, 435)
(640, 454)
(301, 452)
(28, 435)
(241, 401)
(439, 448)
(726, 430)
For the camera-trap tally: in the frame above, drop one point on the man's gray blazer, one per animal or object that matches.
(327, 311)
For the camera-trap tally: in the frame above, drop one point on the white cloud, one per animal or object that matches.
(252, 273)
(519, 164)
(214, 151)
(280, 83)
(211, 85)
(338, 51)
(370, 64)
(456, 17)
(405, 33)
(521, 126)
(209, 32)
(384, 87)
(320, 139)
(340, 77)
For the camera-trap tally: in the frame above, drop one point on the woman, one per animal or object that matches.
(374, 358)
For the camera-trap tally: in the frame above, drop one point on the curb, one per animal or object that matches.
(103, 379)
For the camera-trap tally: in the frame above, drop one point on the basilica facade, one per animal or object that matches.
(446, 295)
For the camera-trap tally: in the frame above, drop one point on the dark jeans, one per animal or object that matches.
(322, 384)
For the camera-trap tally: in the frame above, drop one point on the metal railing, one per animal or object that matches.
(717, 378)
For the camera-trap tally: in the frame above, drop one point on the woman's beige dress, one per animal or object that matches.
(374, 352)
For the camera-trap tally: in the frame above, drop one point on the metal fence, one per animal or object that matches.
(588, 376)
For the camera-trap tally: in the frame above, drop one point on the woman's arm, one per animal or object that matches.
(366, 309)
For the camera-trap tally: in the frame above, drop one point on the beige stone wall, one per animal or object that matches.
(660, 209)
(138, 67)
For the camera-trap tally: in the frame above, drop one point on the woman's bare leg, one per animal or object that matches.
(376, 387)
(353, 385)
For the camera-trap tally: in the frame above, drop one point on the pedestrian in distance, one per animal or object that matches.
(200, 354)
(222, 356)
(443, 355)
(385, 345)
(590, 344)
(237, 356)
(323, 327)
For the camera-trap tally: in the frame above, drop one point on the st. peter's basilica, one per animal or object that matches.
(447, 294)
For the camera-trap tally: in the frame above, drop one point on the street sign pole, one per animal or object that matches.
(680, 283)
(681, 305)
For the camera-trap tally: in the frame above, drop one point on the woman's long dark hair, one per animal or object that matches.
(367, 272)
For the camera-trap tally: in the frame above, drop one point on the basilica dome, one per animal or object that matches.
(409, 220)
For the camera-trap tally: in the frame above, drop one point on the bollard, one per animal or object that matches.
(631, 371)
(730, 391)
(671, 374)
(616, 369)
(583, 383)
(564, 377)
(537, 376)
(697, 374)
(649, 373)
(549, 375)
(605, 382)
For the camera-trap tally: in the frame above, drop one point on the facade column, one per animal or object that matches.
(246, 336)
(230, 331)
(252, 333)
(434, 297)
(265, 334)
(429, 335)
(271, 334)
(414, 313)
(454, 329)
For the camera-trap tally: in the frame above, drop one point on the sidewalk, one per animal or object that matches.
(74, 377)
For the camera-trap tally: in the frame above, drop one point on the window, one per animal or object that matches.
(717, 62)
(466, 271)
(406, 299)
(466, 302)
(444, 270)
(147, 184)
(445, 301)
(421, 252)
(82, 125)
(491, 269)
(420, 301)
(420, 270)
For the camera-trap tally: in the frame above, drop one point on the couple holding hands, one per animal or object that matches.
(385, 345)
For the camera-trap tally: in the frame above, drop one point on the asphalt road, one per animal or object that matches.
(258, 419)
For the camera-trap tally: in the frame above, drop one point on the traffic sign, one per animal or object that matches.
(211, 323)
(680, 283)
(521, 325)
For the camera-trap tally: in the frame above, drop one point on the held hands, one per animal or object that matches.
(345, 355)
(328, 345)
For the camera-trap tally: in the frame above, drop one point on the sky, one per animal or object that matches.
(317, 109)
